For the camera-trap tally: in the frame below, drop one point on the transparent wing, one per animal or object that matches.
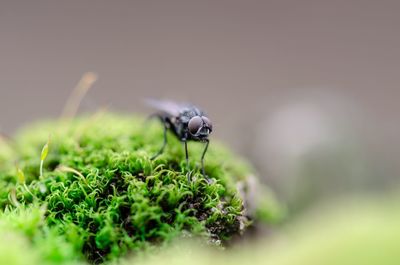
(170, 107)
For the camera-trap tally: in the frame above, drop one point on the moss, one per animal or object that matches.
(103, 197)
(353, 230)
(26, 239)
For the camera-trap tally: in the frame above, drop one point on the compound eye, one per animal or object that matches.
(207, 122)
(195, 124)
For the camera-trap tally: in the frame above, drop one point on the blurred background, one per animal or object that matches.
(308, 91)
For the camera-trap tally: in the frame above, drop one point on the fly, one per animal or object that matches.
(187, 122)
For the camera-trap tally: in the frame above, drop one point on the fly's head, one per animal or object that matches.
(200, 127)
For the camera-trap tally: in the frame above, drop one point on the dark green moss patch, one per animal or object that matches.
(104, 196)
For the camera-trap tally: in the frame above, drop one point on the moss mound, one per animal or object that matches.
(104, 197)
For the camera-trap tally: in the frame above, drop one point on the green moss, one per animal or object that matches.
(355, 230)
(103, 196)
(26, 239)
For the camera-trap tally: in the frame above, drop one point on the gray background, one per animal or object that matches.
(250, 64)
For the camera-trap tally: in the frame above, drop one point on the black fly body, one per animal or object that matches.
(185, 121)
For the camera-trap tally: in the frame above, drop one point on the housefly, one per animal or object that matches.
(186, 121)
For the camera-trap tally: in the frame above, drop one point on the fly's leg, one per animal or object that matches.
(186, 153)
(202, 159)
(164, 143)
(187, 158)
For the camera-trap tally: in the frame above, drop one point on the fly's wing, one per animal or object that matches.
(169, 107)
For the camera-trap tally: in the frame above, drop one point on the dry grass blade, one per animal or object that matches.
(6, 139)
(72, 105)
